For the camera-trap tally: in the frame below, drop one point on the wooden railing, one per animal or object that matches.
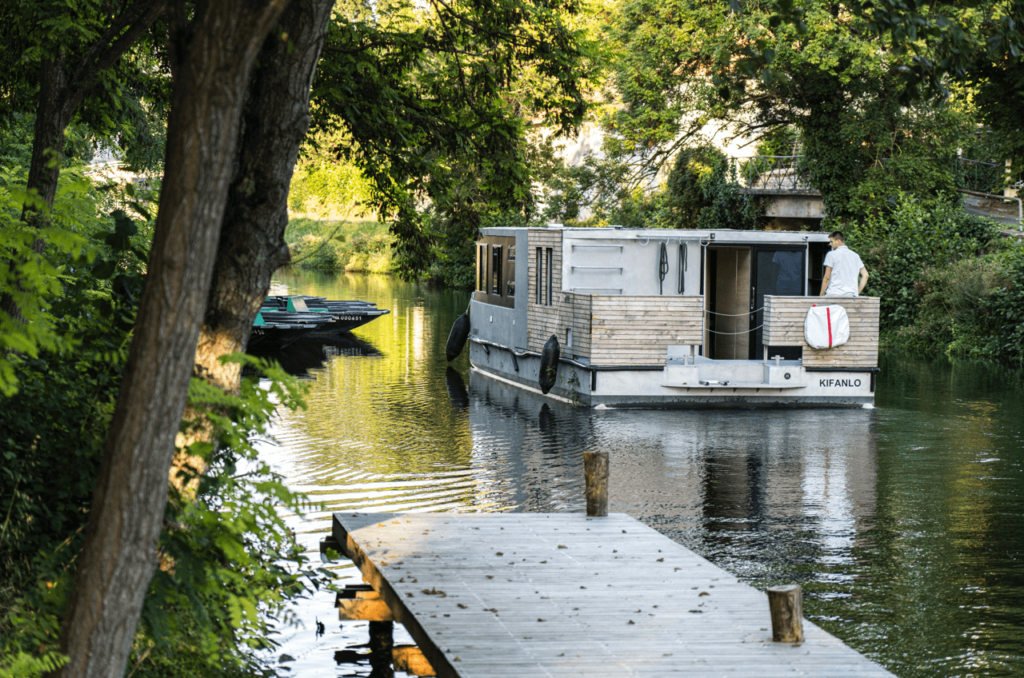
(784, 326)
(615, 329)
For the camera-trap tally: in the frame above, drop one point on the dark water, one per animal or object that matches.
(903, 522)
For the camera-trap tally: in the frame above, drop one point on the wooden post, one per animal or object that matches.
(787, 607)
(595, 470)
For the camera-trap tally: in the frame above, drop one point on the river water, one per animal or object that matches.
(903, 523)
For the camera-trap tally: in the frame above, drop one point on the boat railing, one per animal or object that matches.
(784, 327)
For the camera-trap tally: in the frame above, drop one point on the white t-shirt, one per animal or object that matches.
(845, 265)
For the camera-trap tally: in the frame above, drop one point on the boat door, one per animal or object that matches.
(778, 270)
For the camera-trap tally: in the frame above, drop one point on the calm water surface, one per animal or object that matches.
(903, 523)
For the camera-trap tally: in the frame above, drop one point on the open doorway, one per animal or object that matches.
(737, 279)
(727, 302)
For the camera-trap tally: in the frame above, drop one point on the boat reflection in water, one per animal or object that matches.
(754, 490)
(313, 352)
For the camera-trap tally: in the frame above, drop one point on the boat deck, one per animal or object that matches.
(531, 594)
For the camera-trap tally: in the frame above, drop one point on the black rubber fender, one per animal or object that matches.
(457, 337)
(549, 364)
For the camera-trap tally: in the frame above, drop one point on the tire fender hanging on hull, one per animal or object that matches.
(549, 364)
(457, 337)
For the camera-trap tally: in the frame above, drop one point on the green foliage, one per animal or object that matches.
(326, 184)
(435, 99)
(356, 246)
(899, 245)
(686, 63)
(33, 280)
(53, 428)
(703, 192)
(230, 562)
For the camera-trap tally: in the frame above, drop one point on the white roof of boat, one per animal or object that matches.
(715, 236)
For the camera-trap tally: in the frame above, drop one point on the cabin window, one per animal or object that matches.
(481, 268)
(549, 277)
(540, 276)
(496, 279)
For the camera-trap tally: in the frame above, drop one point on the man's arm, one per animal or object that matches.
(824, 281)
(863, 279)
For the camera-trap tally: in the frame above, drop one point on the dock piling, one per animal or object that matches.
(787, 607)
(595, 470)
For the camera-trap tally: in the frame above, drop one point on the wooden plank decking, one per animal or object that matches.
(532, 594)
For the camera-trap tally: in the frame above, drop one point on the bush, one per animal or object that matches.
(703, 191)
(229, 560)
(898, 246)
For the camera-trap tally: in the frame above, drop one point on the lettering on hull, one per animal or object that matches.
(839, 383)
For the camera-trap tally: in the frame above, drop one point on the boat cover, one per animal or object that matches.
(826, 326)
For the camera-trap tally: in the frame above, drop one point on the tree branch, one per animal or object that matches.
(109, 47)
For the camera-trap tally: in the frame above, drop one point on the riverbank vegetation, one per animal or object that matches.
(337, 246)
(126, 301)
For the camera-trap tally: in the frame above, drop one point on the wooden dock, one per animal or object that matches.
(529, 594)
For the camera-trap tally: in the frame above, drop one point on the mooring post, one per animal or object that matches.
(382, 645)
(595, 470)
(787, 607)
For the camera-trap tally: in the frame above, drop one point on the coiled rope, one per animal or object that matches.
(662, 268)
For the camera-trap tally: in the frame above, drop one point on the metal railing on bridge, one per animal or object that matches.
(790, 172)
(775, 173)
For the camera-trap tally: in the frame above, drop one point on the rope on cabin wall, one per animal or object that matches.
(743, 332)
(735, 315)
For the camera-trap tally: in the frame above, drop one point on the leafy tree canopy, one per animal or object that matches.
(437, 98)
(686, 63)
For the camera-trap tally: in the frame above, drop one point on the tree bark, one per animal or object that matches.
(211, 57)
(252, 245)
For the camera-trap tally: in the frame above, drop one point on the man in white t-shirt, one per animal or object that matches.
(842, 268)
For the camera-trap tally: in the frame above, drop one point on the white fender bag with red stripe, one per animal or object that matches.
(826, 326)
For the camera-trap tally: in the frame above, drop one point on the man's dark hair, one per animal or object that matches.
(837, 235)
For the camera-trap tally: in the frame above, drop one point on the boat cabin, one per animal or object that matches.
(724, 304)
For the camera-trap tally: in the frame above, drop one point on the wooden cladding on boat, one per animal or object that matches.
(605, 329)
(568, 311)
(549, 310)
(627, 330)
(784, 326)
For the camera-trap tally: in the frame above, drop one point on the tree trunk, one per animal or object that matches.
(48, 137)
(212, 59)
(252, 243)
(44, 167)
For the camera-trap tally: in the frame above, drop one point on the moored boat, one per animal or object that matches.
(665, 318)
(281, 321)
(345, 315)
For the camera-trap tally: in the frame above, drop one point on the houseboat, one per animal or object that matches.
(617, 317)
